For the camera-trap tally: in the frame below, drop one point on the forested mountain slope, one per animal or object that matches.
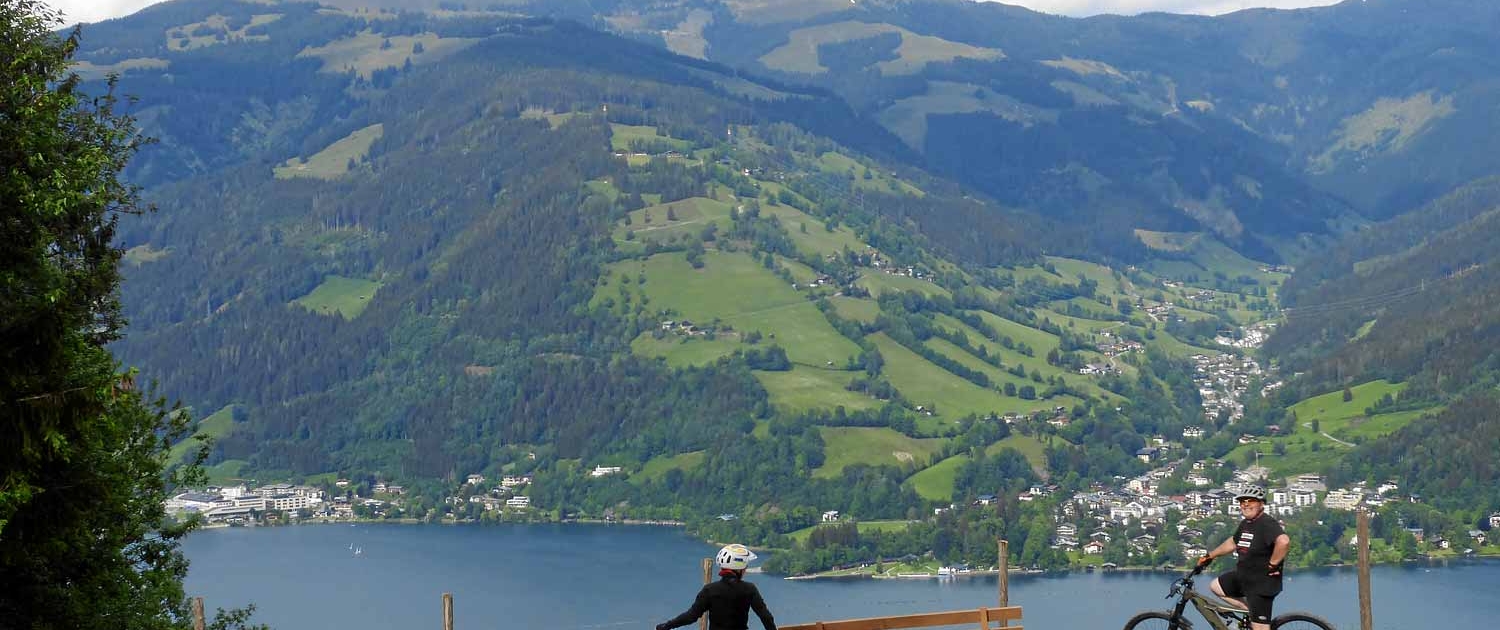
(1258, 125)
(1411, 297)
(551, 245)
(415, 246)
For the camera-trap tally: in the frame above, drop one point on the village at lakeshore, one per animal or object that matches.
(531, 576)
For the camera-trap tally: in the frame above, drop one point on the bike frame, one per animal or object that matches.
(1211, 611)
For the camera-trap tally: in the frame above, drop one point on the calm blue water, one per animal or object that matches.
(571, 577)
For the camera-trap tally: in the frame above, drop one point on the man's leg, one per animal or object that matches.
(1238, 603)
(1260, 611)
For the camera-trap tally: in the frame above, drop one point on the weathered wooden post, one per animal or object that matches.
(1004, 578)
(708, 565)
(447, 611)
(198, 620)
(1366, 616)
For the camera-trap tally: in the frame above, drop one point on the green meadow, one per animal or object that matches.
(216, 426)
(803, 388)
(733, 289)
(680, 351)
(878, 283)
(688, 219)
(846, 446)
(926, 384)
(840, 164)
(346, 297)
(1000, 377)
(810, 235)
(1344, 422)
(658, 466)
(333, 161)
(857, 309)
(864, 527)
(622, 136)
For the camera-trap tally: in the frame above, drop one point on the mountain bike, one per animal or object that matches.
(1220, 615)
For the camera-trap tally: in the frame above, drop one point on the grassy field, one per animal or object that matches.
(622, 135)
(1011, 357)
(182, 37)
(924, 383)
(142, 254)
(935, 483)
(333, 161)
(367, 52)
(733, 289)
(815, 239)
(89, 71)
(1028, 446)
(679, 351)
(1343, 422)
(845, 446)
(217, 425)
(1330, 409)
(1207, 255)
(800, 53)
(689, 217)
(1000, 377)
(1039, 340)
(802, 388)
(864, 527)
(226, 471)
(840, 164)
(658, 466)
(879, 282)
(346, 297)
(857, 309)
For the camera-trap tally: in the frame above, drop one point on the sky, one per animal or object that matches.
(96, 10)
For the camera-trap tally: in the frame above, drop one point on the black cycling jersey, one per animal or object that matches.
(728, 603)
(1254, 540)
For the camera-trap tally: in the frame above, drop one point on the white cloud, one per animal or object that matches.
(96, 10)
(75, 11)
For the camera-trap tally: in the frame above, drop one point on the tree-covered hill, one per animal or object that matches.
(1413, 297)
(415, 246)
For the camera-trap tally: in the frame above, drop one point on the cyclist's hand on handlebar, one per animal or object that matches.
(1205, 561)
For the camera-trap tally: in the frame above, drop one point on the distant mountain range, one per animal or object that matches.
(549, 234)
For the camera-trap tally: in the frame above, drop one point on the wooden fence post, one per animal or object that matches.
(1004, 578)
(198, 619)
(1366, 616)
(447, 611)
(708, 565)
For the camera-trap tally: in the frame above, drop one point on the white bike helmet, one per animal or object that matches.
(1252, 492)
(736, 557)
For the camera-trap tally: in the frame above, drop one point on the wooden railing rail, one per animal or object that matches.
(983, 617)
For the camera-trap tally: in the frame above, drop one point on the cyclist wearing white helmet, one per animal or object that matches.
(728, 601)
(1261, 546)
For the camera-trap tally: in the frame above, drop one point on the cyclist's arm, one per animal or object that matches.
(1225, 548)
(1278, 553)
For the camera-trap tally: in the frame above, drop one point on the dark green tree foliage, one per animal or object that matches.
(84, 541)
(1448, 459)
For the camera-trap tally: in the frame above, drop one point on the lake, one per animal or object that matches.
(566, 577)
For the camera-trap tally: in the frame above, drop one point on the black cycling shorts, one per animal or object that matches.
(1260, 605)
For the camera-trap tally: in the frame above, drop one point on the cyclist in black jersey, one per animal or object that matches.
(729, 601)
(1260, 546)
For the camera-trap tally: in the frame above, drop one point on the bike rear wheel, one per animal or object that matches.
(1156, 620)
(1300, 621)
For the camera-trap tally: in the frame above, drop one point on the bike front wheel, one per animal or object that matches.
(1156, 620)
(1300, 621)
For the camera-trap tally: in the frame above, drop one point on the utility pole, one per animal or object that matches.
(1366, 616)
(1004, 566)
